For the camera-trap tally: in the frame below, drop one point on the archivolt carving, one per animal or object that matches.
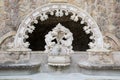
(58, 10)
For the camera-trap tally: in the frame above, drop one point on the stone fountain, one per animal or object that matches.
(59, 46)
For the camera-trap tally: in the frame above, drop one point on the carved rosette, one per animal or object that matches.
(58, 10)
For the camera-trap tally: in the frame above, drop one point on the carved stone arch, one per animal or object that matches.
(9, 34)
(57, 9)
(112, 41)
(5, 39)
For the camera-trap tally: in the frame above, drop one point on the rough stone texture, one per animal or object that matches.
(117, 18)
(58, 1)
(104, 12)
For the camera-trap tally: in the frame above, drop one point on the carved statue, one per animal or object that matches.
(59, 41)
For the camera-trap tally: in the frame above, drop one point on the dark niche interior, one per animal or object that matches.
(37, 38)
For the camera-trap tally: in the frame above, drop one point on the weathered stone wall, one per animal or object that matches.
(105, 12)
(117, 18)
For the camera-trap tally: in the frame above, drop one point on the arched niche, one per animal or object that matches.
(37, 37)
(58, 10)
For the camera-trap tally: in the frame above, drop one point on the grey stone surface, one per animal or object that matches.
(104, 12)
(76, 59)
(59, 76)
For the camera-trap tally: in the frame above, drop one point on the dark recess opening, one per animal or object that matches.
(37, 38)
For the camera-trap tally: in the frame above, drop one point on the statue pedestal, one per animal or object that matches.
(17, 62)
(59, 60)
(101, 59)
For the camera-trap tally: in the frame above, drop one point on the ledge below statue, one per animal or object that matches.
(15, 69)
(87, 65)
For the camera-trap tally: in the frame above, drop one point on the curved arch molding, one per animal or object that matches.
(57, 9)
(9, 34)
